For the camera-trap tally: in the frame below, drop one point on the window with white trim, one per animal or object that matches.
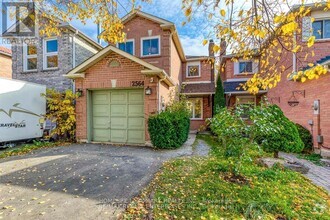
(195, 106)
(321, 29)
(30, 60)
(127, 46)
(193, 69)
(150, 46)
(50, 53)
(245, 67)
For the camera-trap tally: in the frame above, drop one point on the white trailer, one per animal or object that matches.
(22, 110)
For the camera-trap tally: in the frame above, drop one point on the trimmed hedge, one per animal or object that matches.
(306, 138)
(169, 129)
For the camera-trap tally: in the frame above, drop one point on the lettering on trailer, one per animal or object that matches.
(22, 124)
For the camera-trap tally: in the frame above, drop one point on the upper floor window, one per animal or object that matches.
(50, 54)
(195, 106)
(321, 29)
(150, 46)
(127, 46)
(30, 59)
(193, 69)
(245, 67)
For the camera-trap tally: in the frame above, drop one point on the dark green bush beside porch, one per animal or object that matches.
(169, 130)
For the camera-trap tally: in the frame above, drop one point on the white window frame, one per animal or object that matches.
(193, 103)
(245, 61)
(150, 38)
(45, 54)
(129, 40)
(239, 97)
(255, 66)
(323, 21)
(26, 57)
(196, 63)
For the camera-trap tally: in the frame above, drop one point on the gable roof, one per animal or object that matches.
(164, 24)
(79, 71)
(5, 51)
(148, 16)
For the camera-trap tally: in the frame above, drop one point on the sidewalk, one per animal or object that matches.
(317, 174)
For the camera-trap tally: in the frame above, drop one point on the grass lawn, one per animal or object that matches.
(197, 188)
(26, 148)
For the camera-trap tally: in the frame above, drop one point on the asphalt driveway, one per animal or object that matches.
(81, 181)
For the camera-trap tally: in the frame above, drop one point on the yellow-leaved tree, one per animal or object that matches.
(266, 31)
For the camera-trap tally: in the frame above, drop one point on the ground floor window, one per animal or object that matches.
(195, 106)
(246, 102)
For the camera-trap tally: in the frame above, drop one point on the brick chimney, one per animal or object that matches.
(211, 52)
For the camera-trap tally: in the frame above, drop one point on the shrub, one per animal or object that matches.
(306, 138)
(61, 110)
(273, 131)
(169, 129)
(219, 97)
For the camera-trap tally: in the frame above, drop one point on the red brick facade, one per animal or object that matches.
(100, 75)
(5, 64)
(313, 89)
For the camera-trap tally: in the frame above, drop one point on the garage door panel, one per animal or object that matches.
(119, 97)
(135, 136)
(136, 123)
(118, 123)
(101, 122)
(100, 98)
(101, 110)
(118, 136)
(101, 135)
(135, 96)
(135, 110)
(118, 110)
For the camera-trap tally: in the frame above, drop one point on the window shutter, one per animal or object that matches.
(307, 30)
(236, 67)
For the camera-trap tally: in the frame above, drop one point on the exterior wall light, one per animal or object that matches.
(79, 93)
(148, 91)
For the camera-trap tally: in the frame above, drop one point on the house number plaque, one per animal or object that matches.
(137, 83)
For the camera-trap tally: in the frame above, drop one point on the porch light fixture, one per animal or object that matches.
(293, 102)
(148, 91)
(79, 92)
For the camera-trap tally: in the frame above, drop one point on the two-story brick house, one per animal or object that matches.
(312, 107)
(46, 60)
(304, 103)
(5, 62)
(234, 74)
(122, 86)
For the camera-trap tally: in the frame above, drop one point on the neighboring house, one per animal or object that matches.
(308, 103)
(304, 103)
(233, 75)
(46, 61)
(5, 62)
(122, 86)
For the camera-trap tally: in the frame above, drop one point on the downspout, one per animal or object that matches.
(294, 55)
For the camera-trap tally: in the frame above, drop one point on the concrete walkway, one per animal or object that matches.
(317, 174)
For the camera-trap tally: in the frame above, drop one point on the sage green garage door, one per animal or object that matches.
(118, 116)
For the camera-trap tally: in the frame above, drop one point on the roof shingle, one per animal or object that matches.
(202, 88)
(5, 50)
